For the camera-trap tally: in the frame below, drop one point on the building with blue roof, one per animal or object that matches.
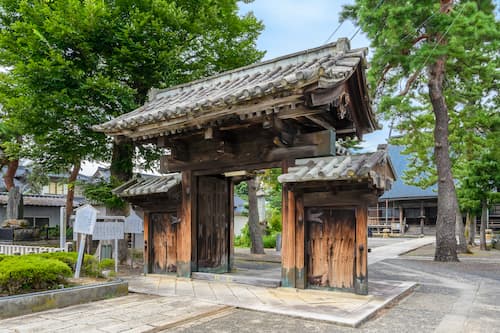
(405, 208)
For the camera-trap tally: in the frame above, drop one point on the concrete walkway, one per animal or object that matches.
(133, 313)
(165, 302)
(337, 307)
(394, 250)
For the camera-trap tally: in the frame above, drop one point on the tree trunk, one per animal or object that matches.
(473, 228)
(253, 219)
(482, 230)
(121, 160)
(462, 242)
(14, 204)
(9, 175)
(446, 243)
(122, 170)
(71, 191)
(467, 228)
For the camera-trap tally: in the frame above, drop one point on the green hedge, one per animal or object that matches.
(31, 273)
(106, 264)
(90, 263)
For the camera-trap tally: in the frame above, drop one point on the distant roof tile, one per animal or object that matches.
(43, 200)
(400, 190)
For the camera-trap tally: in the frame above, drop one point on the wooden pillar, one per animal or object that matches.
(361, 278)
(401, 220)
(300, 273)
(147, 227)
(386, 212)
(184, 236)
(422, 217)
(231, 224)
(288, 233)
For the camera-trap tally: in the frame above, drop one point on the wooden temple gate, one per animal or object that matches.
(271, 114)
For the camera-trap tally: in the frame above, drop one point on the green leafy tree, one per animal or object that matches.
(74, 64)
(480, 175)
(55, 89)
(423, 52)
(162, 43)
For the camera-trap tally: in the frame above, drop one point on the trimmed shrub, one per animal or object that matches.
(269, 241)
(28, 273)
(106, 264)
(90, 264)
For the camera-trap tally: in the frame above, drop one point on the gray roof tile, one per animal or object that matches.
(146, 186)
(348, 167)
(327, 66)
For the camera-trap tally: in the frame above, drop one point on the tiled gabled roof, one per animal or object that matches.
(175, 107)
(349, 167)
(42, 200)
(146, 186)
(400, 190)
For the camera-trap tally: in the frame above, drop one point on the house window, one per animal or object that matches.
(53, 188)
(57, 188)
(39, 222)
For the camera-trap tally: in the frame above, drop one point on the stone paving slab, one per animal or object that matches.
(133, 313)
(333, 306)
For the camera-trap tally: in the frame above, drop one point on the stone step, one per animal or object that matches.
(251, 280)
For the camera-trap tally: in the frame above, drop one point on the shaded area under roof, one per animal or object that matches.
(400, 190)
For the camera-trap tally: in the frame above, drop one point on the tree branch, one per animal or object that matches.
(419, 38)
(409, 83)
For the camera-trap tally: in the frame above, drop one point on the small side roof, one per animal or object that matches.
(349, 167)
(147, 186)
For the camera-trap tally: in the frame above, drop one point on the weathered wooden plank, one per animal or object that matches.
(321, 122)
(300, 274)
(348, 198)
(184, 228)
(327, 96)
(361, 279)
(299, 111)
(254, 149)
(213, 225)
(146, 256)
(231, 224)
(331, 241)
(194, 223)
(286, 280)
(288, 241)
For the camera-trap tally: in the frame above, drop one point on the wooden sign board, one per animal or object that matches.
(108, 231)
(85, 220)
(134, 224)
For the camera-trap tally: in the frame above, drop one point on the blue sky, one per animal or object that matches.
(295, 25)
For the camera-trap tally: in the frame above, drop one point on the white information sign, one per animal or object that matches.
(108, 230)
(85, 219)
(134, 224)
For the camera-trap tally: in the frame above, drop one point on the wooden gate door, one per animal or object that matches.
(163, 243)
(213, 225)
(330, 247)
